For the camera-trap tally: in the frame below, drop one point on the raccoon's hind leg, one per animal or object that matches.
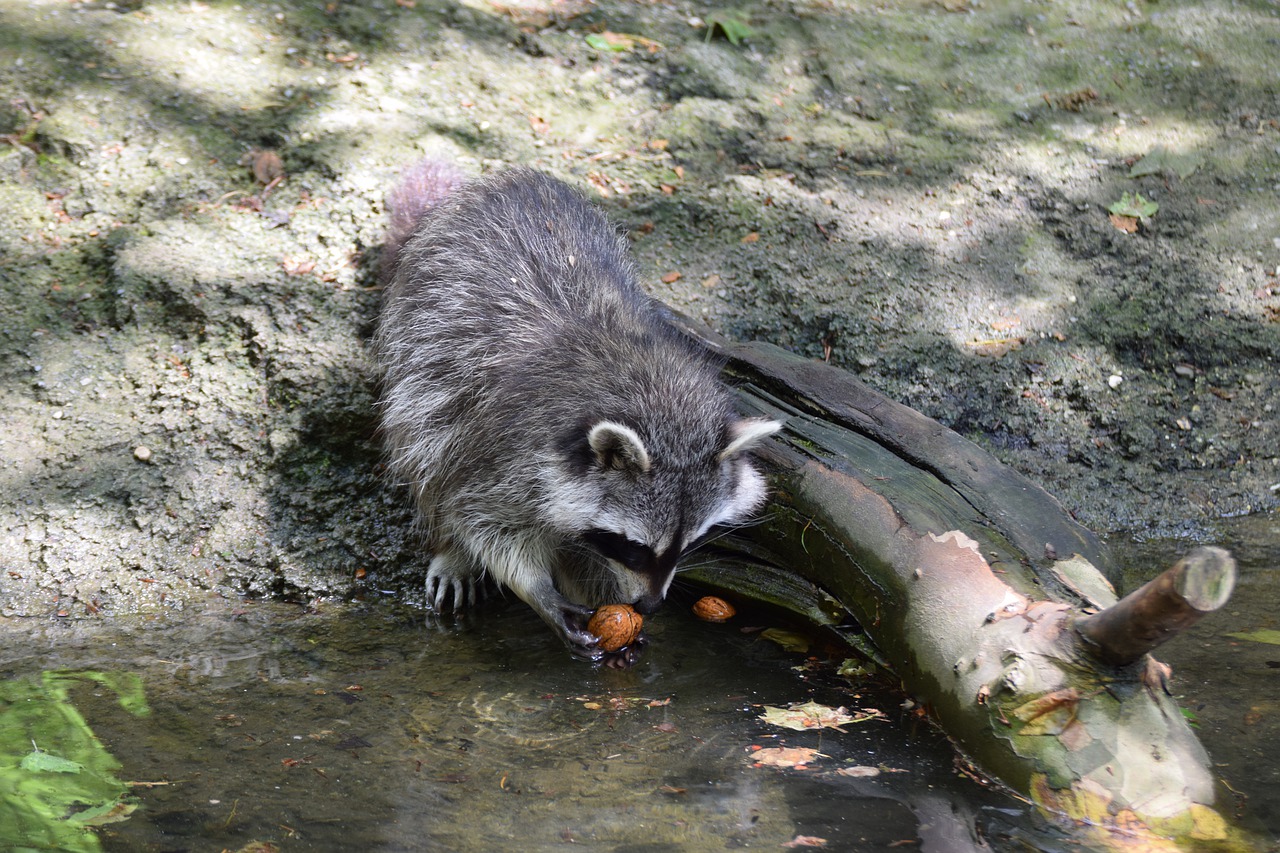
(453, 579)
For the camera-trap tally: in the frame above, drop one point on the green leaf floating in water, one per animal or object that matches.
(1267, 635)
(51, 795)
(38, 761)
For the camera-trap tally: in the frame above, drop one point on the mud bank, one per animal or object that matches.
(918, 192)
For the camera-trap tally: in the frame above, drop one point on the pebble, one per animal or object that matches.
(142, 453)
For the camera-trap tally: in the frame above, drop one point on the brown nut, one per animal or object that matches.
(713, 609)
(616, 626)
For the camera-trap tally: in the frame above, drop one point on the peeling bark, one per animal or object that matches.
(974, 587)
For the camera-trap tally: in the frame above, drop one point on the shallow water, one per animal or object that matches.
(370, 727)
(1231, 686)
(364, 728)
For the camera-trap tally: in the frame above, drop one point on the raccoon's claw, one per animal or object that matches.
(573, 630)
(450, 588)
(450, 594)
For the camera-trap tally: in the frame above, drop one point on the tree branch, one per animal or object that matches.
(1198, 584)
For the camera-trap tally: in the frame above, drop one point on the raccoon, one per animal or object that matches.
(558, 435)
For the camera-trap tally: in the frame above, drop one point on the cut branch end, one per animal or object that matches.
(1198, 584)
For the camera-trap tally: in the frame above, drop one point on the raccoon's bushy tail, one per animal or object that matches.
(421, 187)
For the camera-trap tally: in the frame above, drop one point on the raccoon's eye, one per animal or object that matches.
(615, 546)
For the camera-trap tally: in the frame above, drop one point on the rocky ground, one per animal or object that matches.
(918, 192)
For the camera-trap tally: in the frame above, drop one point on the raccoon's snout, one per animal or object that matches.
(648, 605)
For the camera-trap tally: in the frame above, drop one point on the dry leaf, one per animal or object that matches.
(292, 267)
(805, 841)
(1051, 714)
(860, 771)
(1047, 703)
(1127, 224)
(811, 715)
(1074, 101)
(786, 756)
(789, 640)
(996, 348)
(259, 847)
(267, 165)
(600, 182)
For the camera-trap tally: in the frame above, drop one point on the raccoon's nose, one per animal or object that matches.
(649, 604)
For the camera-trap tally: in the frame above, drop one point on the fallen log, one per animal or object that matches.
(977, 590)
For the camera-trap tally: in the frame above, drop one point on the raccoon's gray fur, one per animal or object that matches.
(556, 432)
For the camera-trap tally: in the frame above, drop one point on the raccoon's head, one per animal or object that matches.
(641, 509)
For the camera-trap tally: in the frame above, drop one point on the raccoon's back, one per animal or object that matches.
(510, 253)
(514, 280)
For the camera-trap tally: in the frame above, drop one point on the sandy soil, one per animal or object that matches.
(917, 191)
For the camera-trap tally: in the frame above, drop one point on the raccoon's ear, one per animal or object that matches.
(618, 446)
(746, 434)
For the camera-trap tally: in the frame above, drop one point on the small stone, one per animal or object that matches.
(1114, 380)
(142, 453)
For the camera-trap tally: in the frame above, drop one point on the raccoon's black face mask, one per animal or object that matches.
(656, 569)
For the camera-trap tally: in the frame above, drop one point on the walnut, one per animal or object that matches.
(616, 626)
(712, 609)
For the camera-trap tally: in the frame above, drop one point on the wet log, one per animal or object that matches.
(981, 594)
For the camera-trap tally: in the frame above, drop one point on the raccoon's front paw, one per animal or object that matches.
(572, 628)
(627, 656)
(451, 584)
